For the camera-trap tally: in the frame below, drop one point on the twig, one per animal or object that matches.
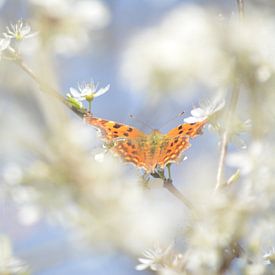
(168, 184)
(225, 136)
(46, 88)
(231, 109)
(240, 4)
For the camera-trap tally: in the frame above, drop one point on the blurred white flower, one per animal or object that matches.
(67, 24)
(180, 49)
(87, 91)
(4, 43)
(12, 173)
(100, 156)
(8, 263)
(93, 13)
(155, 258)
(160, 259)
(269, 257)
(19, 31)
(192, 46)
(28, 214)
(249, 159)
(205, 111)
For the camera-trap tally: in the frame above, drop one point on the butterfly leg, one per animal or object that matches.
(145, 178)
(158, 173)
(169, 171)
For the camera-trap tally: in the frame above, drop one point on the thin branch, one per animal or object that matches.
(240, 4)
(48, 89)
(225, 136)
(168, 184)
(231, 110)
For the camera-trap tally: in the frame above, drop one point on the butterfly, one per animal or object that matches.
(148, 151)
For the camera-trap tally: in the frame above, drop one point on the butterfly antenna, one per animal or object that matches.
(141, 122)
(172, 118)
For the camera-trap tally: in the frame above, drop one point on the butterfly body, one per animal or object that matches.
(148, 151)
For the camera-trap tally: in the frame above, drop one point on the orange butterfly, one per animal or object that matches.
(148, 151)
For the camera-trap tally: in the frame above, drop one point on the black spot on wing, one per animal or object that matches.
(117, 126)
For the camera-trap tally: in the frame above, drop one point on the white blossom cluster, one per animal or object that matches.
(194, 45)
(69, 26)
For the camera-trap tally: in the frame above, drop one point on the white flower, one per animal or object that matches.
(8, 263)
(100, 156)
(71, 22)
(87, 91)
(161, 259)
(269, 257)
(249, 159)
(19, 31)
(28, 214)
(4, 43)
(155, 258)
(205, 111)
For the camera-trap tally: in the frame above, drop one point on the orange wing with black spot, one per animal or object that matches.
(126, 141)
(111, 130)
(177, 141)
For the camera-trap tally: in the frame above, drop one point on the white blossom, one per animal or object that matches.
(28, 214)
(70, 23)
(205, 111)
(193, 46)
(269, 257)
(4, 43)
(19, 31)
(8, 263)
(248, 159)
(87, 91)
(160, 259)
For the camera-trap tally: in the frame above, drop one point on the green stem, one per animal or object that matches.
(169, 171)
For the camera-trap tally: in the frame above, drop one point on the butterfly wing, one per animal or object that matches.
(126, 141)
(187, 129)
(177, 141)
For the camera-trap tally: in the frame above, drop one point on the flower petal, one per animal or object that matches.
(25, 30)
(198, 112)
(99, 157)
(141, 267)
(145, 261)
(192, 119)
(102, 91)
(75, 93)
(4, 43)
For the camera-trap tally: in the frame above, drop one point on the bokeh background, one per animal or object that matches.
(45, 145)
